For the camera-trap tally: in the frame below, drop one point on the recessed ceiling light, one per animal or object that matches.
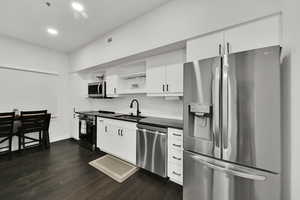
(52, 31)
(77, 6)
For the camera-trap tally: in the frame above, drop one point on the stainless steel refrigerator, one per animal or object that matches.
(232, 136)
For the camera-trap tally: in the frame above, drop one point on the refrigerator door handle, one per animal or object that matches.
(216, 107)
(235, 172)
(225, 103)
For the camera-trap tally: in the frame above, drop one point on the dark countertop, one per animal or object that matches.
(156, 121)
(162, 122)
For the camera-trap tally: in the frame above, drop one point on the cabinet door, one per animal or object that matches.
(254, 35)
(128, 144)
(174, 79)
(101, 137)
(75, 132)
(204, 47)
(112, 85)
(156, 80)
(107, 140)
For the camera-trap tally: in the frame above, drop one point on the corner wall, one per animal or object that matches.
(291, 99)
(25, 66)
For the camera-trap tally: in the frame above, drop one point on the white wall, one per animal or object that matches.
(291, 99)
(173, 22)
(20, 61)
(18, 54)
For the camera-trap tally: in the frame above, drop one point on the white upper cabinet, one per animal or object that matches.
(254, 35)
(155, 80)
(112, 85)
(174, 79)
(204, 47)
(165, 80)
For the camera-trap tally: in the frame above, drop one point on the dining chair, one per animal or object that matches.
(32, 122)
(6, 131)
(46, 138)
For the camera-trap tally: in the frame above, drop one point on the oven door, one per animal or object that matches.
(87, 132)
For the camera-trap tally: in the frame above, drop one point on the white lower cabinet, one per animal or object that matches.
(175, 155)
(75, 131)
(117, 138)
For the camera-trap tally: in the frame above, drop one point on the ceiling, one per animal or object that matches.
(28, 20)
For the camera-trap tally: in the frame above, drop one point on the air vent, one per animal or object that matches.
(48, 4)
(109, 40)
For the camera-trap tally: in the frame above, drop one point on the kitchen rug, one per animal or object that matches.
(113, 167)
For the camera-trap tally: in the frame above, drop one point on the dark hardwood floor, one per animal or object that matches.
(63, 173)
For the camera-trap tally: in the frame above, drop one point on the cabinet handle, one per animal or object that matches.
(220, 49)
(177, 174)
(163, 88)
(115, 90)
(174, 157)
(105, 129)
(177, 135)
(228, 48)
(118, 132)
(177, 145)
(121, 132)
(167, 87)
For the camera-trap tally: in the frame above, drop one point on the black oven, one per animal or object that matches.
(87, 131)
(97, 89)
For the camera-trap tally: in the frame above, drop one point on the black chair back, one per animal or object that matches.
(46, 131)
(33, 121)
(47, 121)
(36, 112)
(6, 123)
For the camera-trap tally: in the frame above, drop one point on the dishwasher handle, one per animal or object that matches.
(150, 132)
(152, 128)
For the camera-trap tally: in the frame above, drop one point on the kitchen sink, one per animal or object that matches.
(130, 117)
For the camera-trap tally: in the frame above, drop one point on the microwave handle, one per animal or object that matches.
(99, 88)
(104, 89)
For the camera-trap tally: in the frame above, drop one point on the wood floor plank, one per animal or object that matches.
(63, 173)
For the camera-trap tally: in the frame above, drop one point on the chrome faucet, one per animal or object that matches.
(137, 106)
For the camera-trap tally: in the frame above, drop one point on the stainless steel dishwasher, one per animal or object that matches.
(152, 149)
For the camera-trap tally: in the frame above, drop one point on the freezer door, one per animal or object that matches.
(251, 109)
(201, 106)
(211, 179)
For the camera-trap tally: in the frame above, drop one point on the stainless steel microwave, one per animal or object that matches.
(97, 89)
